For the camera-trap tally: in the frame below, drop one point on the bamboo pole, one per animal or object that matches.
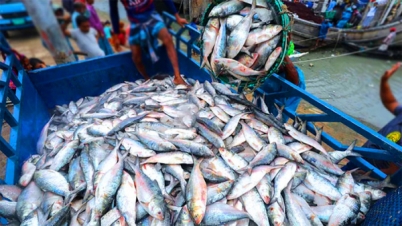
(386, 12)
(49, 29)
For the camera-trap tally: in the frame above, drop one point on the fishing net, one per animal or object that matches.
(386, 211)
(281, 16)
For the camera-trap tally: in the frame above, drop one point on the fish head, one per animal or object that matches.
(214, 23)
(378, 194)
(197, 213)
(156, 209)
(219, 66)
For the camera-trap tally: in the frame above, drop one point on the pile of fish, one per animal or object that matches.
(239, 42)
(152, 153)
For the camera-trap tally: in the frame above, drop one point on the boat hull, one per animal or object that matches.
(305, 33)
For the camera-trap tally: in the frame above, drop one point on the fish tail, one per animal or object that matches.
(71, 196)
(350, 151)
(386, 183)
(88, 194)
(355, 154)
(205, 62)
(253, 6)
(351, 146)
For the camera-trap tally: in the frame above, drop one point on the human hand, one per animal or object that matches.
(388, 74)
(181, 21)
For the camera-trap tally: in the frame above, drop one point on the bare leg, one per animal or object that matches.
(137, 59)
(167, 40)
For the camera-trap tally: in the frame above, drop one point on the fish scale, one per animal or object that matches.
(186, 172)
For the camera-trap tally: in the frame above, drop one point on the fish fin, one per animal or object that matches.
(197, 161)
(174, 208)
(183, 186)
(246, 50)
(158, 166)
(167, 196)
(88, 194)
(304, 127)
(354, 170)
(249, 170)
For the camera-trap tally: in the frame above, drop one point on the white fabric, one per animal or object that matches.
(87, 42)
(372, 11)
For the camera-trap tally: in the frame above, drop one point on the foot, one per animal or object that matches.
(178, 80)
(146, 77)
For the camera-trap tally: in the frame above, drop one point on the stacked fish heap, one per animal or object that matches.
(150, 153)
(240, 44)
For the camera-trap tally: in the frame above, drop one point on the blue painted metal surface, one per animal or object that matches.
(39, 93)
(10, 12)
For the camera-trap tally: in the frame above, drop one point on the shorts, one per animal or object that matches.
(140, 32)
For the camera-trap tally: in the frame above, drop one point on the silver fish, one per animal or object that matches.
(209, 37)
(239, 34)
(226, 8)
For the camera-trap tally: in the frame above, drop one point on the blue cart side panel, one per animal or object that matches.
(34, 115)
(62, 84)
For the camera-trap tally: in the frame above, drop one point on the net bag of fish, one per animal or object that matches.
(151, 153)
(244, 41)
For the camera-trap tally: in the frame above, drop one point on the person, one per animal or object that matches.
(122, 34)
(86, 38)
(356, 16)
(98, 26)
(388, 40)
(322, 34)
(146, 26)
(79, 9)
(331, 5)
(68, 5)
(393, 130)
(107, 30)
(370, 15)
(36, 63)
(346, 15)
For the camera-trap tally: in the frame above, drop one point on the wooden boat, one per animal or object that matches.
(393, 52)
(304, 34)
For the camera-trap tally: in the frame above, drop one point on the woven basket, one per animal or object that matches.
(280, 17)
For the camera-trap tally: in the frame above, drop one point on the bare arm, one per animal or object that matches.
(290, 71)
(387, 97)
(64, 26)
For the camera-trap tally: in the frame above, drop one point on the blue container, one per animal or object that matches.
(39, 91)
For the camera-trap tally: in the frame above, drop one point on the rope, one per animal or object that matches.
(284, 10)
(337, 40)
(342, 55)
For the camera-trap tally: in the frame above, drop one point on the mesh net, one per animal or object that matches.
(387, 211)
(282, 17)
